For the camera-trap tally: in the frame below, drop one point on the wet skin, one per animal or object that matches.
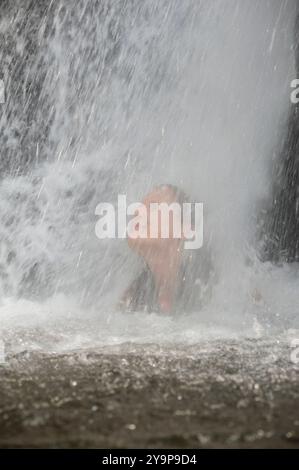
(162, 255)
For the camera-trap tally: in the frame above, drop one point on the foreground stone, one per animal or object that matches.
(231, 394)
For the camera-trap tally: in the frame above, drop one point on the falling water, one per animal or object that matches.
(106, 98)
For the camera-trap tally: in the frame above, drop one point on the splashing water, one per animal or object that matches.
(123, 96)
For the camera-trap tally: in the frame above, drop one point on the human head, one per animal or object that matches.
(166, 194)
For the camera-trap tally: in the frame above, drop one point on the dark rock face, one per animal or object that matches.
(26, 116)
(29, 33)
(55, 59)
(283, 229)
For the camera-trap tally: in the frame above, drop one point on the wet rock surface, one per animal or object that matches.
(283, 230)
(239, 394)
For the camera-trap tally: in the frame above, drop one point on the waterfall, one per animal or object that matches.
(112, 97)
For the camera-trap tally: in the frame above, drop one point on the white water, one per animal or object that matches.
(197, 95)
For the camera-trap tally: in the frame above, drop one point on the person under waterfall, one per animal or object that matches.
(172, 278)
